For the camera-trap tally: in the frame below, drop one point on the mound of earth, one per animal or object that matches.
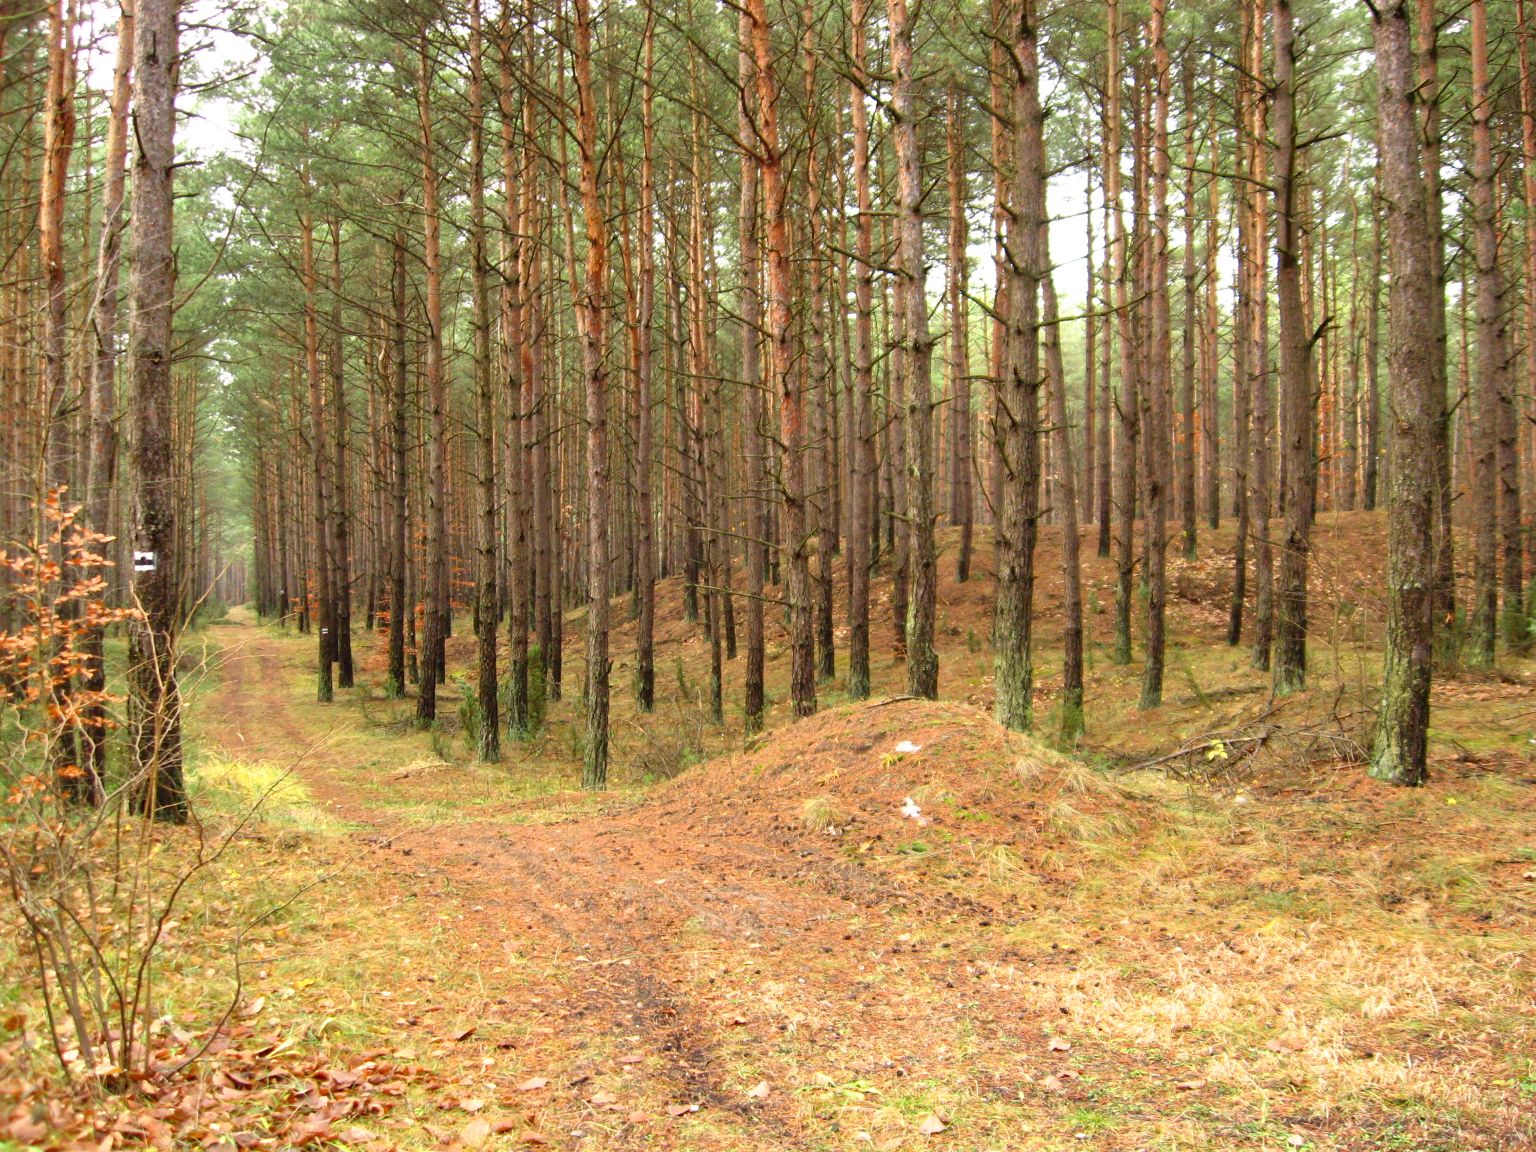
(913, 778)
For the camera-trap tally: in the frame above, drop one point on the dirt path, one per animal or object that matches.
(677, 964)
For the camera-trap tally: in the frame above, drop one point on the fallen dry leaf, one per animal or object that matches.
(759, 1091)
(681, 1109)
(631, 1058)
(1059, 1044)
(1052, 1083)
(463, 1033)
(310, 1132)
(471, 1105)
(475, 1133)
(533, 1084)
(25, 1130)
(931, 1124)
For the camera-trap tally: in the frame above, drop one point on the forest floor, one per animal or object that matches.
(1249, 945)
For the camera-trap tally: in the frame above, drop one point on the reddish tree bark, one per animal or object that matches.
(784, 383)
(594, 765)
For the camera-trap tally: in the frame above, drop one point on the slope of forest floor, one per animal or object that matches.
(891, 926)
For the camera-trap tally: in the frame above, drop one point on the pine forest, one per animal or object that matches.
(768, 574)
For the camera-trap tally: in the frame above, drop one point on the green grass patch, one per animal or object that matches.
(273, 793)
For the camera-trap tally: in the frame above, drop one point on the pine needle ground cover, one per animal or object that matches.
(893, 925)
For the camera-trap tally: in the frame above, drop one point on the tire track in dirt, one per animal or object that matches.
(633, 995)
(782, 925)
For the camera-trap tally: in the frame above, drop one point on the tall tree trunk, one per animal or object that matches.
(1493, 354)
(1260, 494)
(521, 574)
(1353, 351)
(1372, 420)
(319, 470)
(1158, 389)
(1090, 360)
(922, 659)
(399, 607)
(487, 610)
(1125, 401)
(1298, 410)
(1403, 726)
(102, 468)
(594, 765)
(861, 520)
(1517, 631)
(897, 457)
(752, 384)
(818, 338)
(802, 677)
(645, 569)
(59, 442)
(703, 405)
(1427, 101)
(1189, 336)
(1071, 569)
(341, 526)
(58, 145)
(1210, 371)
(434, 581)
(1242, 340)
(539, 404)
(1018, 392)
(999, 78)
(1103, 481)
(962, 502)
(155, 700)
